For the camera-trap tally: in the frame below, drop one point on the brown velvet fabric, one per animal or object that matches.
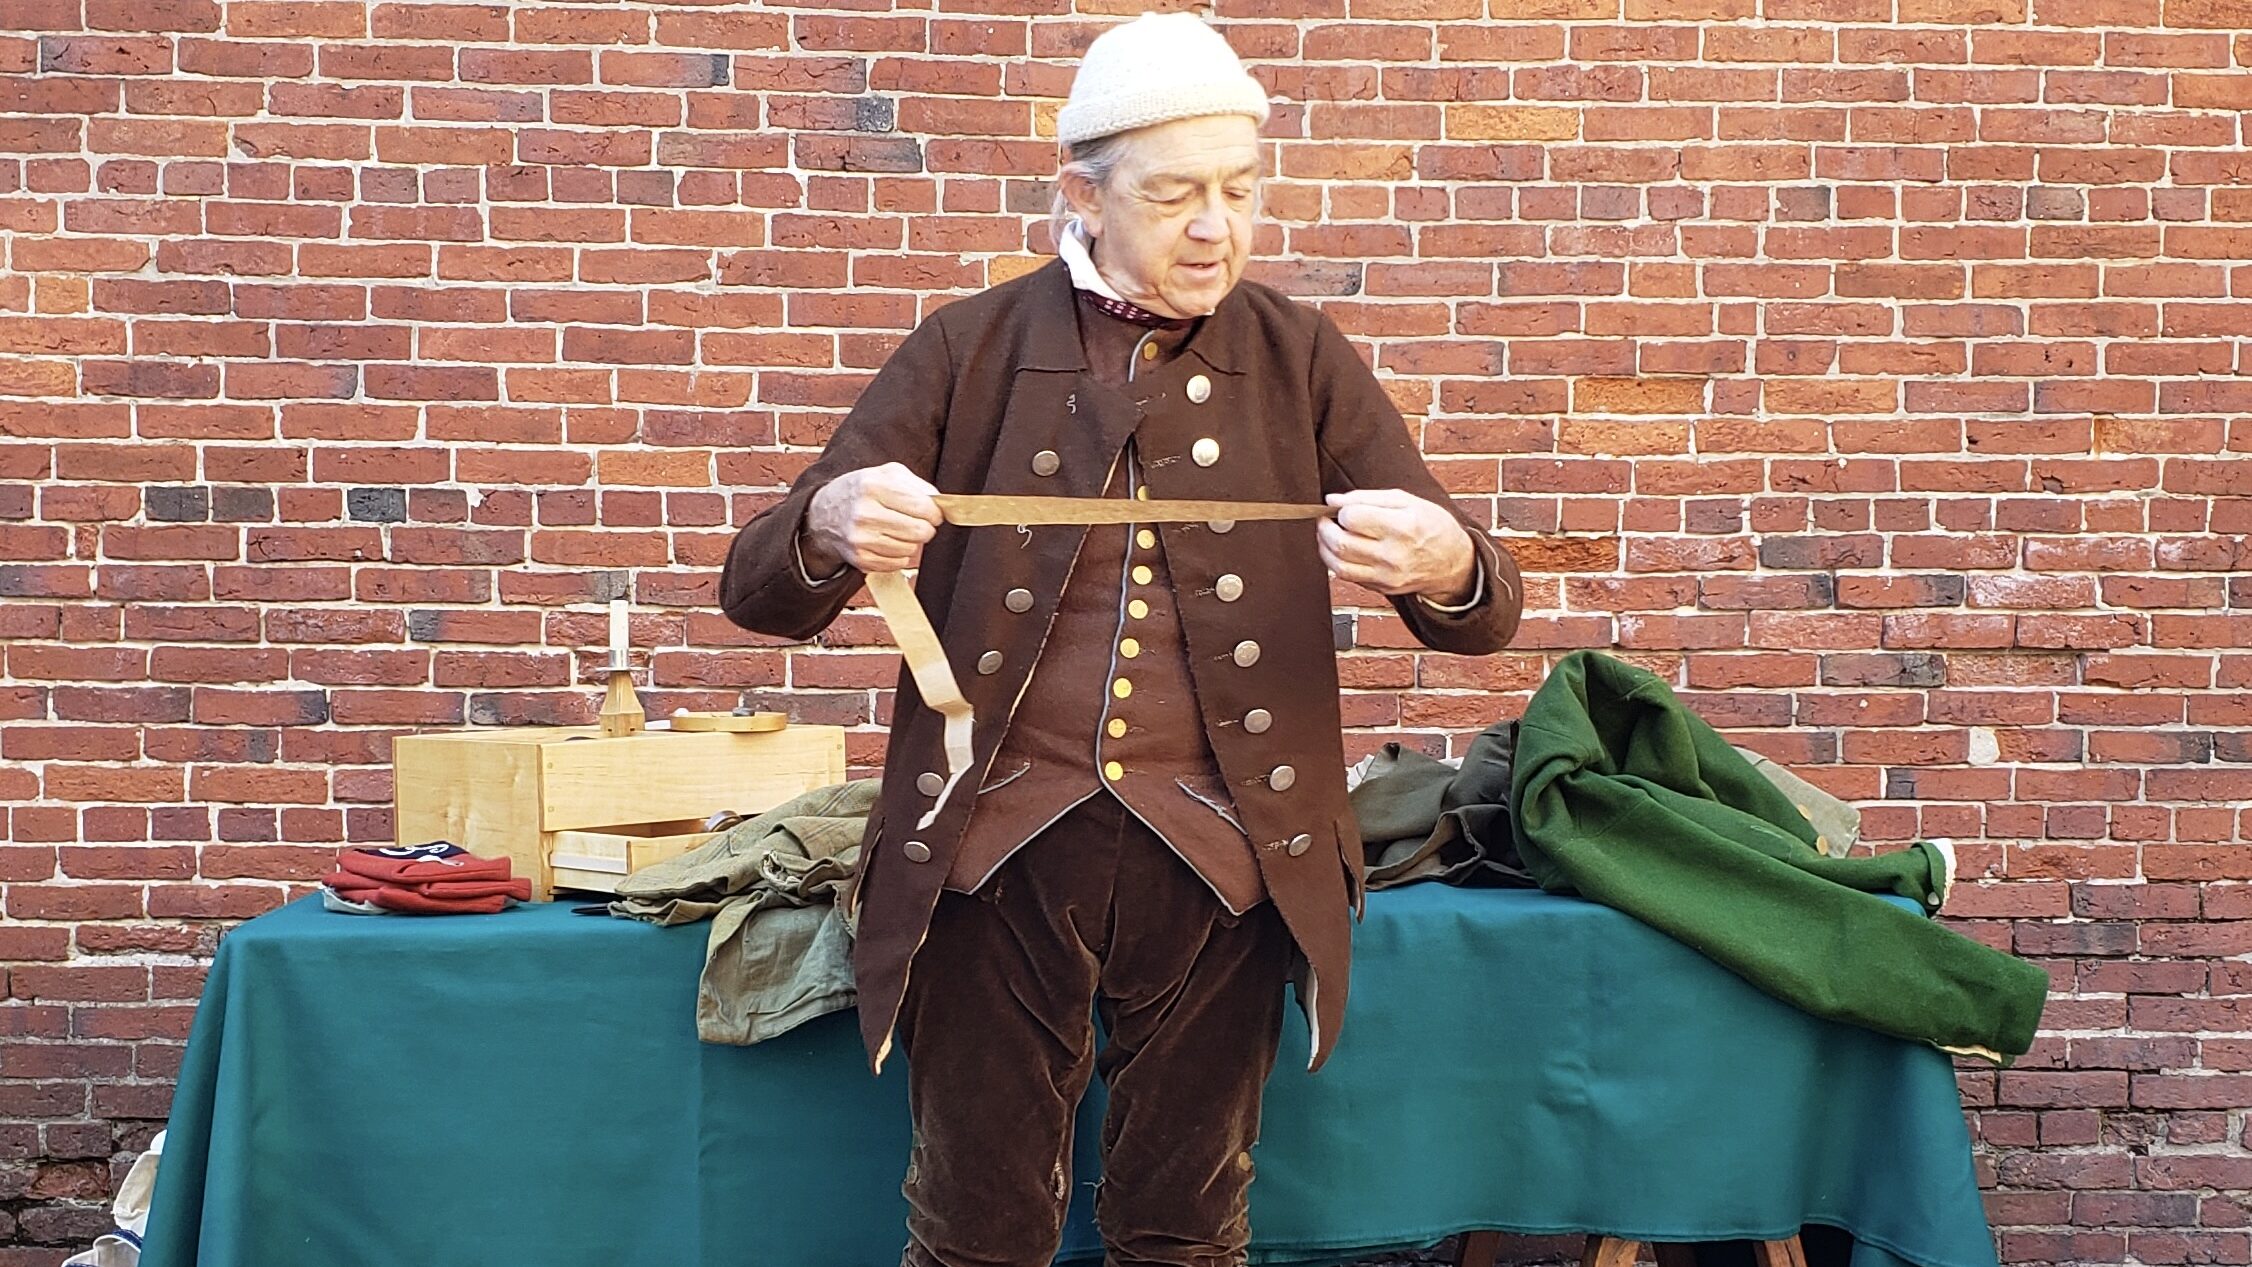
(998, 1030)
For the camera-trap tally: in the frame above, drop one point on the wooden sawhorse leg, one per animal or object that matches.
(1479, 1249)
(1610, 1251)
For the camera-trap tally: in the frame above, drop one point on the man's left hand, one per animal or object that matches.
(1394, 542)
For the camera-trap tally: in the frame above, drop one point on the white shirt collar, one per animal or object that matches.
(1073, 248)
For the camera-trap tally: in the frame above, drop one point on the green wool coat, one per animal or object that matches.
(1625, 797)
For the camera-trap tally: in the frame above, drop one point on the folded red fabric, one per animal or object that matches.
(469, 897)
(360, 888)
(439, 878)
(409, 902)
(465, 890)
(415, 864)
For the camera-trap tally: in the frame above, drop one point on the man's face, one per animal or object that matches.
(1173, 227)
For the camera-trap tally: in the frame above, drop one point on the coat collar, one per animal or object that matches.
(1051, 308)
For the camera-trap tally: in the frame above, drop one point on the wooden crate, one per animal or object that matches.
(594, 861)
(508, 791)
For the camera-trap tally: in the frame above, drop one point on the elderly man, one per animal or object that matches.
(1153, 827)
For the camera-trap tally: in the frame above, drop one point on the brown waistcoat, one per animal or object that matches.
(1110, 709)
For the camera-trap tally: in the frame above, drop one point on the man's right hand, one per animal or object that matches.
(876, 519)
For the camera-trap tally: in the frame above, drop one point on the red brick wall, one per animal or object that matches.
(1868, 369)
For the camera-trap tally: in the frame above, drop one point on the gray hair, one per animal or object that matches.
(1097, 159)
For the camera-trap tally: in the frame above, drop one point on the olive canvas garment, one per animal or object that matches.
(779, 952)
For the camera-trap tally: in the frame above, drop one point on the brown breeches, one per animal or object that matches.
(1097, 913)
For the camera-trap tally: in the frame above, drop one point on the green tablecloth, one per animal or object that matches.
(527, 1089)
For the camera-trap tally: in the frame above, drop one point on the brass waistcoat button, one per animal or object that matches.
(916, 851)
(1145, 538)
(1113, 771)
(1137, 608)
(1300, 843)
(1205, 452)
(1129, 648)
(1045, 462)
(1142, 574)
(1200, 390)
(1121, 688)
(1246, 653)
(1229, 587)
(929, 783)
(1018, 600)
(1149, 350)
(1117, 728)
(1281, 777)
(990, 662)
(1257, 720)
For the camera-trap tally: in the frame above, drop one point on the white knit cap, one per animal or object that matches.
(1156, 68)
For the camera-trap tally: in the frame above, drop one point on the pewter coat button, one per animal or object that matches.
(1281, 777)
(916, 851)
(1018, 601)
(1200, 390)
(929, 783)
(990, 662)
(1246, 653)
(1221, 525)
(1257, 720)
(1205, 452)
(1300, 843)
(1045, 462)
(1229, 587)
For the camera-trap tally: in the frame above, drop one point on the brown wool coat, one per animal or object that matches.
(966, 402)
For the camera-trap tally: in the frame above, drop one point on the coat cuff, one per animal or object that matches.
(1484, 564)
(797, 553)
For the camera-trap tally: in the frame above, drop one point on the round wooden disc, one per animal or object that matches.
(730, 721)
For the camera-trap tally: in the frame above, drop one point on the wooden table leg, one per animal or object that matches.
(1477, 1249)
(1610, 1251)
